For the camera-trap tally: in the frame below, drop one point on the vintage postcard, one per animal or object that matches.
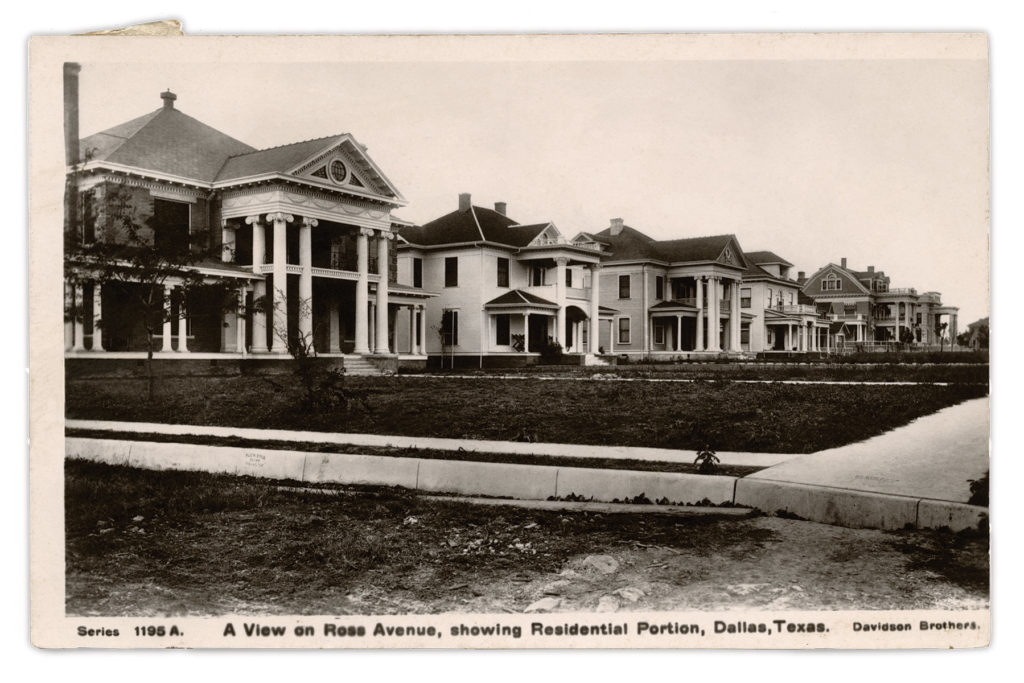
(535, 341)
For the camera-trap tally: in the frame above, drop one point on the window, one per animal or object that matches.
(768, 298)
(450, 327)
(88, 218)
(537, 277)
(659, 290)
(417, 272)
(502, 337)
(831, 283)
(659, 334)
(502, 272)
(170, 225)
(623, 331)
(744, 297)
(623, 286)
(790, 298)
(568, 277)
(745, 333)
(451, 271)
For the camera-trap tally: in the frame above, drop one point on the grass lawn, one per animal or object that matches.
(174, 543)
(842, 372)
(728, 416)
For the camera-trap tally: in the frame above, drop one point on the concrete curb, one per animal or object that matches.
(856, 509)
(531, 482)
(842, 507)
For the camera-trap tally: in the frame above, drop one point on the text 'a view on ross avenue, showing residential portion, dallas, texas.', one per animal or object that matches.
(699, 357)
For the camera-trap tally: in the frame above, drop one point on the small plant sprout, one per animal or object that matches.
(706, 461)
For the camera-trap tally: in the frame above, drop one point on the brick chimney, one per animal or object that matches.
(616, 226)
(871, 269)
(71, 143)
(500, 207)
(464, 201)
(168, 97)
(801, 276)
(842, 262)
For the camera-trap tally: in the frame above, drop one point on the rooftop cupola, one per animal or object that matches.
(168, 97)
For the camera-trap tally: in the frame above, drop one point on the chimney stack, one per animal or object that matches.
(616, 226)
(500, 207)
(801, 276)
(168, 97)
(71, 142)
(842, 262)
(871, 269)
(464, 201)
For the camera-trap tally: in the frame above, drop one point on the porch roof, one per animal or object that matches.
(517, 298)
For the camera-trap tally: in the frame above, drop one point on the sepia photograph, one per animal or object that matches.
(511, 341)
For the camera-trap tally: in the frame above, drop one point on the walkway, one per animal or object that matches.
(612, 377)
(434, 443)
(932, 457)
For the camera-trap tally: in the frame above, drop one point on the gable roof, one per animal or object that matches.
(475, 224)
(631, 244)
(844, 273)
(278, 159)
(765, 257)
(165, 141)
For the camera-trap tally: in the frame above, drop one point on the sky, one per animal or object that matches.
(881, 161)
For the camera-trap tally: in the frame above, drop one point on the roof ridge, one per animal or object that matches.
(472, 211)
(285, 144)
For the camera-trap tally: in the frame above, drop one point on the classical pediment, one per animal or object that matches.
(346, 165)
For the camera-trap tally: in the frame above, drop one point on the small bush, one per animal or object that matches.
(979, 491)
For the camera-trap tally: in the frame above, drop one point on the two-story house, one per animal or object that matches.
(305, 227)
(875, 313)
(784, 318)
(506, 288)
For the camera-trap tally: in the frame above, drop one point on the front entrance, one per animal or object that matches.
(538, 332)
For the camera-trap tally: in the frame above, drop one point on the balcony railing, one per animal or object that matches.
(902, 291)
(799, 309)
(847, 317)
(577, 292)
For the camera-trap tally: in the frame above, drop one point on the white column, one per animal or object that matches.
(679, 333)
(97, 315)
(595, 308)
(362, 344)
(240, 323)
(279, 310)
(69, 315)
(423, 330)
(259, 290)
(526, 329)
(79, 310)
(335, 325)
(182, 322)
(371, 325)
(227, 240)
(699, 345)
(736, 318)
(306, 280)
(613, 330)
(714, 320)
(383, 315)
(412, 330)
(560, 264)
(167, 319)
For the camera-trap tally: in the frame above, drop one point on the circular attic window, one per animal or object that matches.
(338, 171)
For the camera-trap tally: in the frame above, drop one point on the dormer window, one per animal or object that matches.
(831, 283)
(338, 171)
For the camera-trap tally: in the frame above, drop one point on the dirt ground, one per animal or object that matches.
(173, 543)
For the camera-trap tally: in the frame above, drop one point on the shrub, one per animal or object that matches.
(979, 491)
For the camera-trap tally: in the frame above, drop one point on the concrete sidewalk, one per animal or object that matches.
(434, 443)
(918, 474)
